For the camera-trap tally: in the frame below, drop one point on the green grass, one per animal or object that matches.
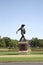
(36, 52)
(17, 53)
(9, 53)
(7, 50)
(21, 59)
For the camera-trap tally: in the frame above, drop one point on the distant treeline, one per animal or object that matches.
(6, 42)
(35, 42)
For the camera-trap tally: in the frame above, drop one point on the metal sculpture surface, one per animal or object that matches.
(22, 29)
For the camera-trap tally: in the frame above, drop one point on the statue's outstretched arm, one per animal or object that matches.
(18, 30)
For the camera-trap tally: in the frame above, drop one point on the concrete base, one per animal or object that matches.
(23, 52)
(23, 47)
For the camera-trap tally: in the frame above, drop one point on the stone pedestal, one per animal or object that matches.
(23, 47)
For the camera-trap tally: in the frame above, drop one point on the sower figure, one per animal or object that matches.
(22, 32)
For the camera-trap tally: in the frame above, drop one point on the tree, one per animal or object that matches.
(40, 42)
(34, 42)
(2, 43)
(14, 43)
(7, 41)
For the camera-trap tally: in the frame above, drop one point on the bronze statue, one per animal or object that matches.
(22, 29)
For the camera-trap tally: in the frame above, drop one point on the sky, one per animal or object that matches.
(14, 13)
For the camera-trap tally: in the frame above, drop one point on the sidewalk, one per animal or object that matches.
(21, 55)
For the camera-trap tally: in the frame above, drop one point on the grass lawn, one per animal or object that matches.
(9, 53)
(17, 53)
(36, 52)
(21, 59)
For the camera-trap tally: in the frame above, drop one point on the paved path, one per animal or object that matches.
(22, 63)
(21, 55)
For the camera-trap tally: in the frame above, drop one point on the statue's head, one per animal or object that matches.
(22, 25)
